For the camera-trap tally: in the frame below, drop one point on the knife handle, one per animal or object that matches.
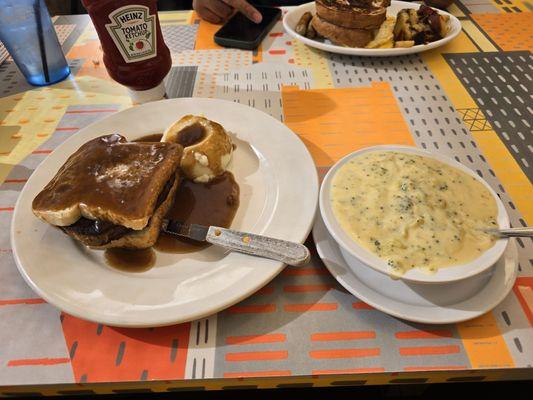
(263, 246)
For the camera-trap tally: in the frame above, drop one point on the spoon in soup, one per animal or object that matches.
(526, 231)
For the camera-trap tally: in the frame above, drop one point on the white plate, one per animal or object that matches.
(448, 274)
(279, 191)
(293, 16)
(430, 304)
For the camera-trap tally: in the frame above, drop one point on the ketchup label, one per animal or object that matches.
(132, 29)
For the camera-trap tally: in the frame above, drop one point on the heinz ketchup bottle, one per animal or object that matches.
(135, 54)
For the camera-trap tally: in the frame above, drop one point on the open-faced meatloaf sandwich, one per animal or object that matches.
(112, 193)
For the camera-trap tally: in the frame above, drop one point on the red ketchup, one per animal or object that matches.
(135, 53)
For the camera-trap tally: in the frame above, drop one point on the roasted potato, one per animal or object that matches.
(303, 23)
(422, 26)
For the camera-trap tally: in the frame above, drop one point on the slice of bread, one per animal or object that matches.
(109, 179)
(353, 14)
(133, 239)
(340, 35)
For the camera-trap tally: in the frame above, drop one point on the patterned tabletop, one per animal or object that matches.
(470, 100)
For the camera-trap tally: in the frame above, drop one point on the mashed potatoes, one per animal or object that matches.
(413, 211)
(207, 147)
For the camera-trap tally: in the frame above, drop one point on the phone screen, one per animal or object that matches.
(240, 28)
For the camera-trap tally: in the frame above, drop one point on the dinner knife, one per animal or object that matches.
(262, 246)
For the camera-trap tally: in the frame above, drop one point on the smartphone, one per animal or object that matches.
(241, 33)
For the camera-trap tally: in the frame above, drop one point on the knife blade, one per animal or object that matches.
(262, 246)
(191, 231)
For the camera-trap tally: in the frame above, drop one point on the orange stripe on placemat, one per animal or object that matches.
(345, 353)
(254, 308)
(305, 271)
(361, 305)
(37, 361)
(252, 339)
(256, 374)
(277, 52)
(428, 334)
(353, 335)
(276, 34)
(311, 307)
(41, 151)
(15, 180)
(257, 356)
(7, 208)
(484, 344)
(435, 368)
(306, 288)
(67, 128)
(429, 350)
(100, 110)
(21, 301)
(347, 371)
(523, 289)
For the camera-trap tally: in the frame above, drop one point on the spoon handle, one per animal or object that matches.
(526, 231)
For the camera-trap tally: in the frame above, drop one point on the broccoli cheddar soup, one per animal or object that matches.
(413, 211)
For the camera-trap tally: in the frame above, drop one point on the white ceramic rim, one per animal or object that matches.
(492, 294)
(291, 19)
(446, 274)
(281, 139)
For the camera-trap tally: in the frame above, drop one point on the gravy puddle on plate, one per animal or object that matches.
(130, 260)
(212, 203)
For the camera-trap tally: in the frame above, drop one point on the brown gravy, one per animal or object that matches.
(116, 175)
(213, 203)
(153, 137)
(130, 260)
(191, 135)
(188, 136)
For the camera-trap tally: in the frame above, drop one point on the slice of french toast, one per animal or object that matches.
(354, 14)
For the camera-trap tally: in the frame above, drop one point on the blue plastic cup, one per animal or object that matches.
(30, 38)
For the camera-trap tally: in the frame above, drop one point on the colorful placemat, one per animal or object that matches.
(468, 100)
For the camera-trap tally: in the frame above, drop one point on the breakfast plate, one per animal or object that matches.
(454, 302)
(278, 198)
(292, 17)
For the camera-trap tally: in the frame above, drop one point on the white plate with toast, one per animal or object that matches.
(292, 18)
(278, 198)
